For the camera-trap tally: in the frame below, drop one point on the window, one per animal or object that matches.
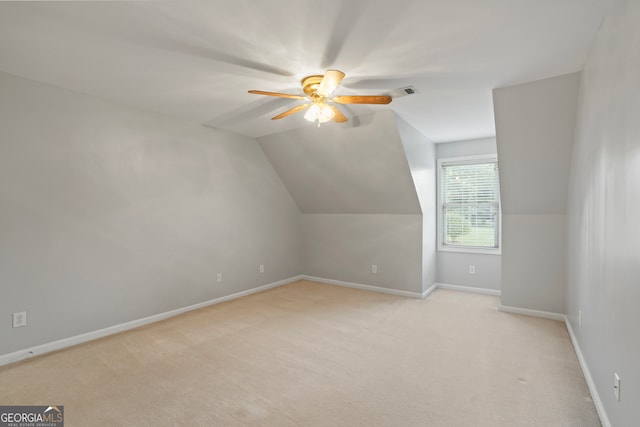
(469, 201)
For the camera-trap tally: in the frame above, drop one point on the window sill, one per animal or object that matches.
(469, 250)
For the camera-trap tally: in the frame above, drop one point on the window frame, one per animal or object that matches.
(475, 159)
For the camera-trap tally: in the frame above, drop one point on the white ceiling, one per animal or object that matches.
(197, 59)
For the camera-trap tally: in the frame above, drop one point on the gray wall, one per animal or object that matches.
(420, 153)
(603, 213)
(110, 214)
(337, 169)
(453, 267)
(468, 147)
(361, 200)
(344, 246)
(534, 131)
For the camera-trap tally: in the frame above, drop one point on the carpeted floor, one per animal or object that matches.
(309, 354)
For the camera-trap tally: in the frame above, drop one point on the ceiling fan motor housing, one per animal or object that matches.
(310, 84)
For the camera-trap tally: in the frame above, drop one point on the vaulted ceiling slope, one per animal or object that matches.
(535, 124)
(196, 59)
(357, 170)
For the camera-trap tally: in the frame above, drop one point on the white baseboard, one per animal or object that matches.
(411, 294)
(529, 312)
(429, 291)
(483, 291)
(364, 287)
(100, 333)
(604, 419)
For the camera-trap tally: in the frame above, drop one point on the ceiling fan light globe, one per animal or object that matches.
(312, 113)
(325, 114)
(320, 112)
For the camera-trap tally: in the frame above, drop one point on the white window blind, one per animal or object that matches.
(470, 204)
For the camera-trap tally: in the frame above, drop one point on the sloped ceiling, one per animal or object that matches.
(358, 170)
(535, 124)
(197, 59)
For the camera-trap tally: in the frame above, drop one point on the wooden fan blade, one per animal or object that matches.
(339, 117)
(330, 82)
(358, 99)
(281, 95)
(291, 111)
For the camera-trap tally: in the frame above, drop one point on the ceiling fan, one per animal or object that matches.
(318, 90)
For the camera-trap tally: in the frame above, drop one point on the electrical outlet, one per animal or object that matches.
(19, 319)
(261, 268)
(219, 277)
(616, 386)
(472, 269)
(374, 268)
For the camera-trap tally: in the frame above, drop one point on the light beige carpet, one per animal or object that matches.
(309, 354)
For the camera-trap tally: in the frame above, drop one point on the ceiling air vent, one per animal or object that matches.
(403, 91)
